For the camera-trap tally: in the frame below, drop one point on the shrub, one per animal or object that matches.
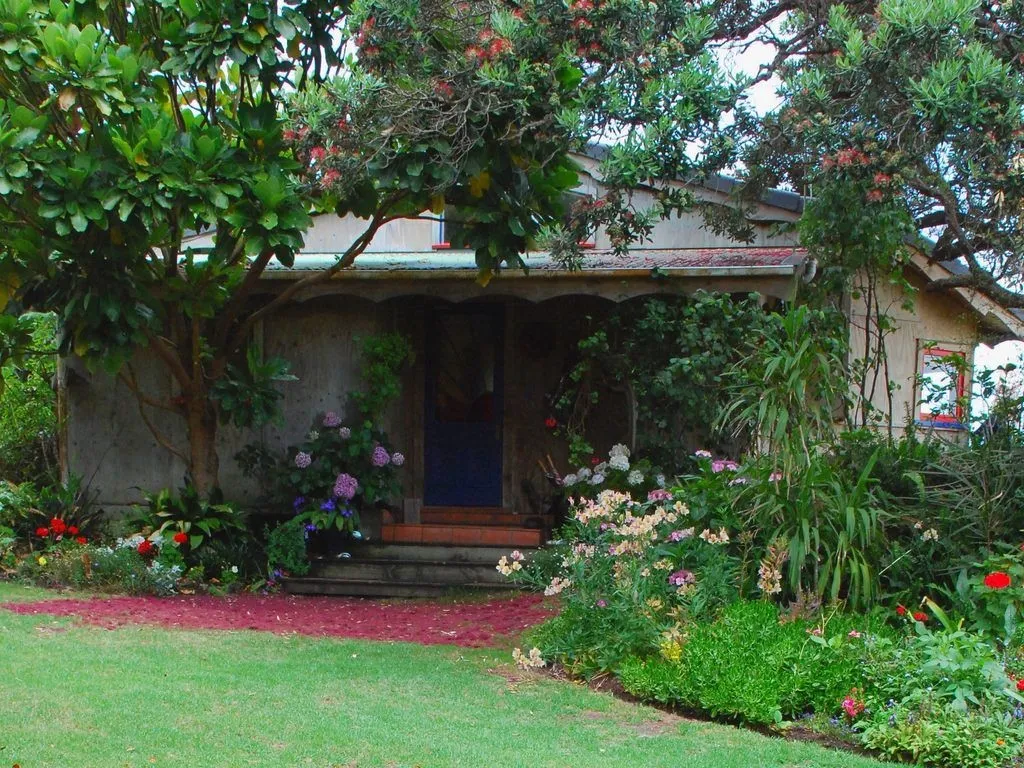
(286, 548)
(745, 665)
(927, 733)
(193, 519)
(28, 420)
(119, 568)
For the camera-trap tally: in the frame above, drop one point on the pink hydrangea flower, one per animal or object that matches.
(303, 459)
(659, 494)
(720, 465)
(331, 420)
(345, 486)
(702, 454)
(380, 457)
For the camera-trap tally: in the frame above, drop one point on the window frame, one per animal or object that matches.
(958, 419)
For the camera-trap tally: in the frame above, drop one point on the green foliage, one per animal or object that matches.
(247, 397)
(831, 521)
(670, 355)
(383, 357)
(286, 548)
(28, 420)
(747, 665)
(202, 520)
(788, 391)
(27, 507)
(118, 569)
(993, 609)
(934, 735)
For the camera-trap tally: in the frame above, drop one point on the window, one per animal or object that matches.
(942, 375)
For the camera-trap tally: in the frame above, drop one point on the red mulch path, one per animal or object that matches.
(469, 624)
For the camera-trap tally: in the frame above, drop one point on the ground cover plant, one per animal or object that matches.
(260, 699)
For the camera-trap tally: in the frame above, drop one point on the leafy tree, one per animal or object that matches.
(126, 125)
(906, 119)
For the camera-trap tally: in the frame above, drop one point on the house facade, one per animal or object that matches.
(471, 417)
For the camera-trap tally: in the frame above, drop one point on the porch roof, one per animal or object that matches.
(639, 262)
(453, 275)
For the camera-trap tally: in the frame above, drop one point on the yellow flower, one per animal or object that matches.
(42, 560)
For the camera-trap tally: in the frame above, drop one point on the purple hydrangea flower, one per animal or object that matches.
(299, 501)
(346, 512)
(380, 457)
(331, 419)
(346, 486)
(303, 459)
(397, 459)
(328, 506)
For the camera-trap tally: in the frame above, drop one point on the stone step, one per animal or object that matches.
(423, 572)
(315, 586)
(466, 535)
(434, 553)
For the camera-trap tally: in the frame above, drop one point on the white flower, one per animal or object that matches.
(397, 459)
(557, 585)
(584, 473)
(702, 454)
(601, 468)
(532, 661)
(597, 479)
(619, 450)
(930, 535)
(620, 463)
(234, 569)
(660, 480)
(345, 433)
(635, 477)
(569, 480)
(313, 434)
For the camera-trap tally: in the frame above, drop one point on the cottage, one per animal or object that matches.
(471, 418)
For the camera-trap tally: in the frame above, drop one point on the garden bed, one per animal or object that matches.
(471, 624)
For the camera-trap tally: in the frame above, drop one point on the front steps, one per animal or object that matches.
(401, 570)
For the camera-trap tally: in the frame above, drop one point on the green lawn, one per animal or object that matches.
(75, 696)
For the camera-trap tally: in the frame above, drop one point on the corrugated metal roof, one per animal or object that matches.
(638, 262)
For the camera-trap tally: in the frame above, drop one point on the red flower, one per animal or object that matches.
(1020, 685)
(180, 537)
(901, 611)
(42, 533)
(73, 530)
(919, 616)
(594, 461)
(81, 540)
(550, 422)
(58, 526)
(997, 580)
(146, 548)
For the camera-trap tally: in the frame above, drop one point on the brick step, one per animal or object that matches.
(338, 587)
(432, 553)
(466, 535)
(422, 572)
(482, 516)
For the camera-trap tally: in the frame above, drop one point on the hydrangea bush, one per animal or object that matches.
(619, 472)
(336, 472)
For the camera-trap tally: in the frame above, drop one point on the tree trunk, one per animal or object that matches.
(204, 464)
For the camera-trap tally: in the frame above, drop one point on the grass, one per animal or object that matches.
(72, 695)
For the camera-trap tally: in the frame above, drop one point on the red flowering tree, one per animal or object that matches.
(124, 126)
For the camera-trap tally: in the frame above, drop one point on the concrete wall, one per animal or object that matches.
(931, 318)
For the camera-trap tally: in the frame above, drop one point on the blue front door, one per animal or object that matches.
(463, 420)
